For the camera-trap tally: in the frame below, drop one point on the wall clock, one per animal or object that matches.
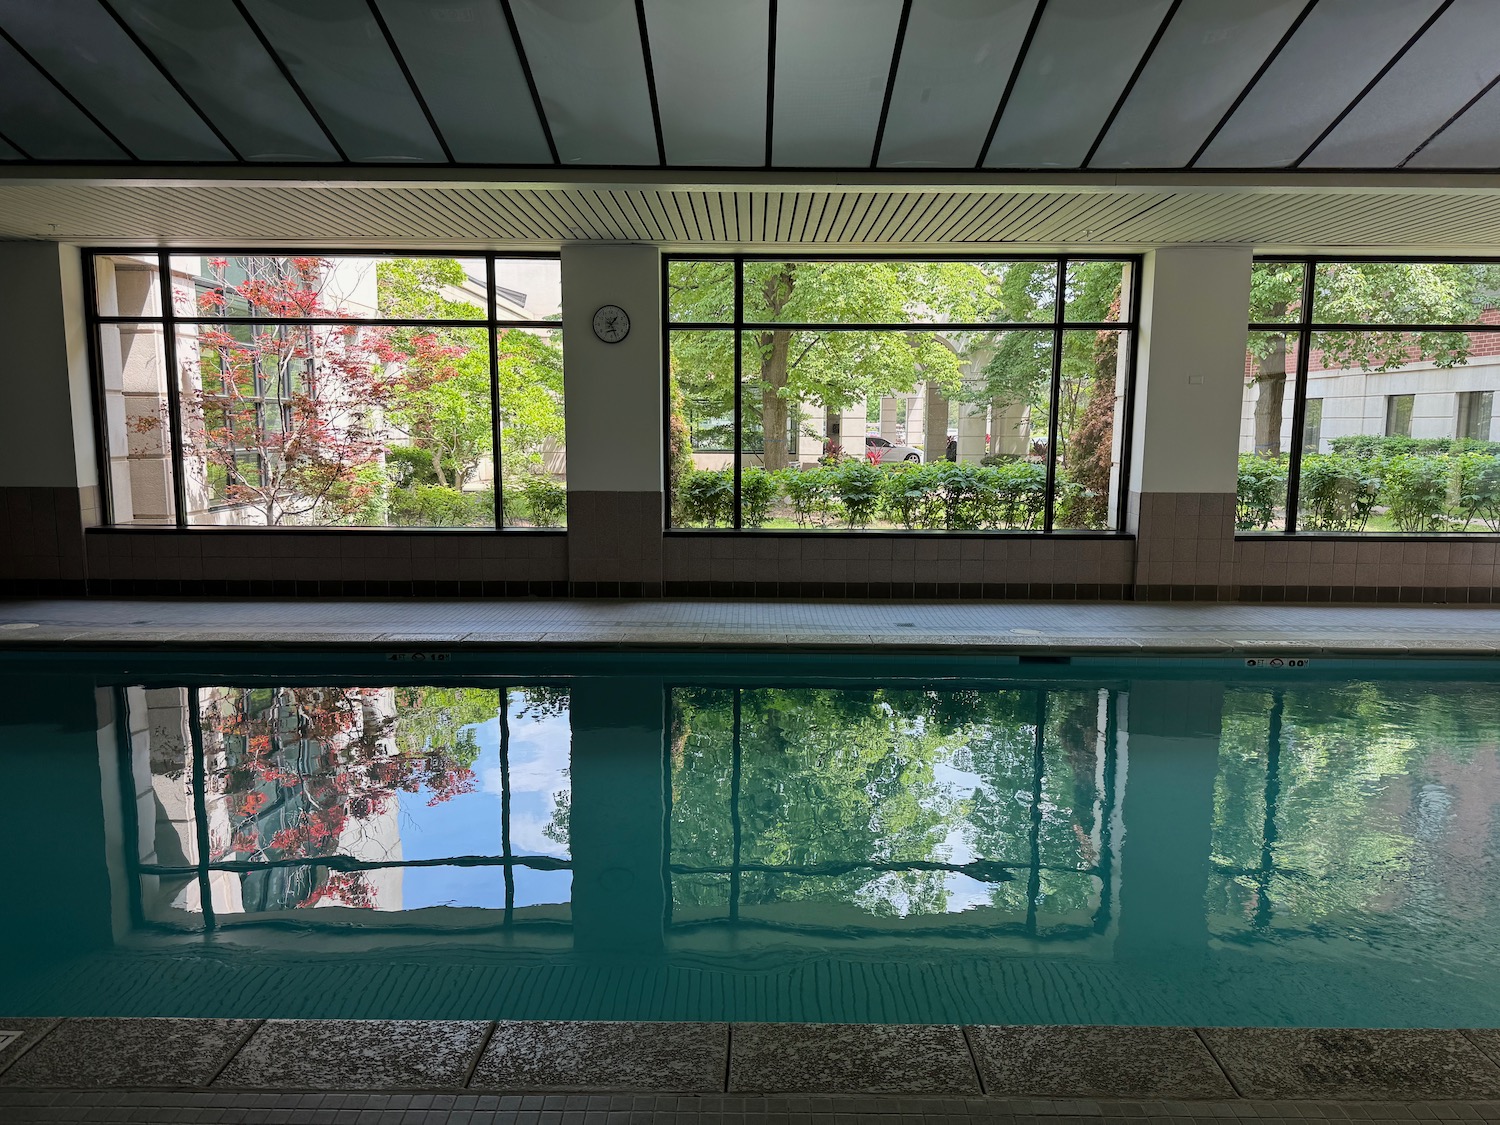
(611, 324)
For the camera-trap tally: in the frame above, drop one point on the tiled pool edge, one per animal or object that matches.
(999, 1068)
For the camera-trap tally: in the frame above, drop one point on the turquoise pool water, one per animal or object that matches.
(900, 839)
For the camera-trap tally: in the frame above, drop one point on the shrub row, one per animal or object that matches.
(537, 501)
(942, 495)
(1417, 489)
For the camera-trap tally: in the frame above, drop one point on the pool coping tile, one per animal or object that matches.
(645, 1057)
(1096, 1062)
(356, 1054)
(1350, 1064)
(129, 1052)
(810, 1058)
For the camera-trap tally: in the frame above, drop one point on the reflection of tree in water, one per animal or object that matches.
(1318, 808)
(297, 769)
(831, 778)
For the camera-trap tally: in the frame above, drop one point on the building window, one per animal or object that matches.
(1476, 409)
(1367, 357)
(812, 394)
(330, 390)
(1312, 426)
(1398, 415)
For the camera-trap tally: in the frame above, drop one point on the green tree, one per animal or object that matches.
(1361, 293)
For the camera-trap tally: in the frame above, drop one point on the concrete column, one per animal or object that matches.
(616, 824)
(613, 394)
(1174, 730)
(48, 476)
(934, 424)
(1185, 440)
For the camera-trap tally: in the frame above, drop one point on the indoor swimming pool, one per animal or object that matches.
(898, 839)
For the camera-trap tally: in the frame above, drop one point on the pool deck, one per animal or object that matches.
(868, 627)
(374, 1072)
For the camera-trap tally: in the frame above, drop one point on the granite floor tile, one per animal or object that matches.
(1096, 1062)
(84, 1053)
(356, 1055)
(850, 1059)
(17, 1036)
(578, 1055)
(1338, 1063)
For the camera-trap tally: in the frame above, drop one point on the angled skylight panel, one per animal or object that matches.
(1339, 47)
(462, 56)
(955, 62)
(9, 153)
(1472, 141)
(216, 58)
(709, 59)
(338, 56)
(833, 58)
(1082, 56)
(85, 50)
(1207, 54)
(1453, 60)
(586, 58)
(36, 116)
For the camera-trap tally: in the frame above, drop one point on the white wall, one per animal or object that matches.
(44, 380)
(1191, 369)
(613, 392)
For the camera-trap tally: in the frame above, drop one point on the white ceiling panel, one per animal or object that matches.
(709, 59)
(1206, 56)
(586, 58)
(211, 51)
(1082, 57)
(955, 62)
(1457, 57)
(340, 59)
(36, 116)
(463, 59)
(833, 58)
(85, 50)
(1338, 49)
(1473, 141)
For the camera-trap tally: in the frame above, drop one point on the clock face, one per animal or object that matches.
(611, 324)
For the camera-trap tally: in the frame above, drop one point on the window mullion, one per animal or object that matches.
(1299, 399)
(739, 390)
(1055, 394)
(174, 392)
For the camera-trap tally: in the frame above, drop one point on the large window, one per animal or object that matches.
(330, 390)
(1388, 370)
(863, 394)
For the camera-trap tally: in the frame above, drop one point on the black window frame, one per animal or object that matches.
(1299, 332)
(167, 321)
(737, 326)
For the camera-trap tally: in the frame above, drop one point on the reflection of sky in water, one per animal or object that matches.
(470, 825)
(956, 785)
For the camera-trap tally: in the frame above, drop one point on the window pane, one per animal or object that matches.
(525, 288)
(870, 292)
(700, 291)
(311, 426)
(701, 429)
(1265, 421)
(127, 285)
(1406, 293)
(330, 287)
(134, 371)
(533, 449)
(1393, 451)
(1276, 291)
(1097, 291)
(1091, 407)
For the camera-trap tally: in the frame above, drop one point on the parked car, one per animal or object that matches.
(881, 451)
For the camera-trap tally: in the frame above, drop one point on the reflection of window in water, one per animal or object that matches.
(255, 802)
(816, 809)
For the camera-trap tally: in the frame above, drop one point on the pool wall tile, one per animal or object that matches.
(87, 1053)
(356, 1055)
(1358, 1065)
(577, 1055)
(850, 1059)
(1096, 1062)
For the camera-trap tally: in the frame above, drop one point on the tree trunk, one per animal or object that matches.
(773, 408)
(1270, 380)
(437, 467)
